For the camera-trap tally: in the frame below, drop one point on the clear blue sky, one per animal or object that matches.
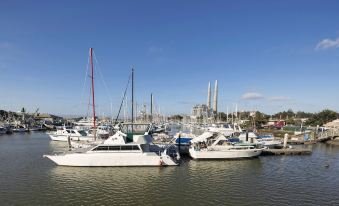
(266, 55)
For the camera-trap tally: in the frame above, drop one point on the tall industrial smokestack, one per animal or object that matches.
(215, 100)
(152, 107)
(209, 96)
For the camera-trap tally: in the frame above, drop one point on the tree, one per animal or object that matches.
(260, 119)
(302, 114)
(322, 117)
(222, 116)
(176, 117)
(284, 115)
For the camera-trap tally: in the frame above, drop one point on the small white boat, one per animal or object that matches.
(115, 151)
(102, 132)
(217, 146)
(225, 129)
(20, 129)
(3, 130)
(266, 140)
(75, 135)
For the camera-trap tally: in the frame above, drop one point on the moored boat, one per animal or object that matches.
(266, 140)
(217, 146)
(73, 134)
(117, 151)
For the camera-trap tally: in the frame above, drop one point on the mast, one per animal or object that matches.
(132, 98)
(93, 99)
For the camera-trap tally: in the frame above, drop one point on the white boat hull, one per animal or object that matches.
(73, 138)
(111, 159)
(224, 154)
(271, 144)
(20, 130)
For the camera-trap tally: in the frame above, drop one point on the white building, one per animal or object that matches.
(200, 110)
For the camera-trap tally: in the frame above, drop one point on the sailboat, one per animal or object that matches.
(79, 134)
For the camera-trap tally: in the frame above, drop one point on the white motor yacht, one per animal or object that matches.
(217, 146)
(225, 129)
(266, 140)
(117, 151)
(74, 134)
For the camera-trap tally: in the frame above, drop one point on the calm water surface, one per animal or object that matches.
(28, 179)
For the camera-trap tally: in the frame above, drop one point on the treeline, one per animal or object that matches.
(4, 115)
(293, 118)
(176, 117)
(289, 116)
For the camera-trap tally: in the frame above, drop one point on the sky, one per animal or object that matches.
(266, 55)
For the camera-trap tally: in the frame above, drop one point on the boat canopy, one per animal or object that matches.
(117, 138)
(203, 137)
(183, 140)
(142, 139)
(250, 135)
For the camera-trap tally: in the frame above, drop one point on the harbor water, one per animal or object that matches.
(26, 178)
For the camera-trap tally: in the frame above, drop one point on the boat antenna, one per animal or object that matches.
(123, 98)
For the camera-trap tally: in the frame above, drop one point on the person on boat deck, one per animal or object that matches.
(196, 146)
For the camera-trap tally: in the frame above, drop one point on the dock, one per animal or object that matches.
(288, 151)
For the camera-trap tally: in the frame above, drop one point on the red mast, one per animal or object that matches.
(93, 101)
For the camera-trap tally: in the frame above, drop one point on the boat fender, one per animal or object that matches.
(161, 162)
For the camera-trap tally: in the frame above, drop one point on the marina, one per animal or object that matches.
(167, 103)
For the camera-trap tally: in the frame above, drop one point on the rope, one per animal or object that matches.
(84, 85)
(103, 80)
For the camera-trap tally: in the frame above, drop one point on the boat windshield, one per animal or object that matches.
(136, 128)
(83, 133)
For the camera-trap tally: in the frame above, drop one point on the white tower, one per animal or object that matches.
(215, 100)
(209, 97)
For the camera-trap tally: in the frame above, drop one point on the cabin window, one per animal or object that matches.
(114, 148)
(83, 133)
(127, 147)
(222, 142)
(101, 148)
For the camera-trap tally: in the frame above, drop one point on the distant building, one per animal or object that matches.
(272, 123)
(200, 110)
(47, 118)
(186, 119)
